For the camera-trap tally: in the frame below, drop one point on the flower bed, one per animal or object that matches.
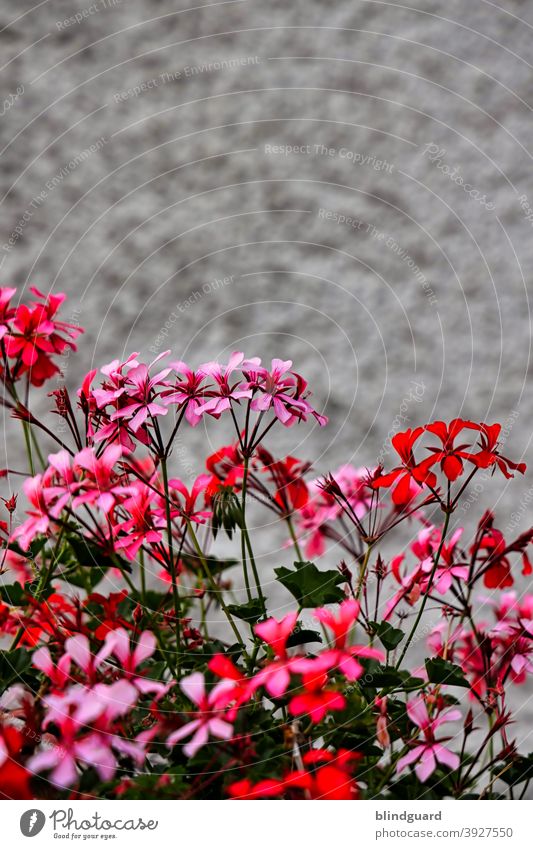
(114, 684)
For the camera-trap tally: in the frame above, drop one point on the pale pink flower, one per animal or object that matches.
(428, 752)
(207, 720)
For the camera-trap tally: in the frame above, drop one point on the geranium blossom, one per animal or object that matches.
(34, 335)
(280, 389)
(208, 719)
(428, 752)
(188, 393)
(220, 397)
(110, 691)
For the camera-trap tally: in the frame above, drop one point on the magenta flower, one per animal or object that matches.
(38, 521)
(281, 390)
(131, 656)
(428, 752)
(71, 711)
(188, 499)
(207, 720)
(140, 387)
(101, 483)
(143, 525)
(275, 677)
(224, 393)
(188, 392)
(343, 655)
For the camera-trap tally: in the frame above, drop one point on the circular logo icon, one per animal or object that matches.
(32, 822)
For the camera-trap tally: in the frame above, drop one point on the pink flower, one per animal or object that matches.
(131, 656)
(71, 712)
(140, 390)
(225, 392)
(38, 521)
(207, 719)
(275, 677)
(342, 655)
(20, 566)
(101, 483)
(428, 752)
(78, 649)
(281, 390)
(143, 525)
(276, 632)
(189, 392)
(58, 673)
(187, 502)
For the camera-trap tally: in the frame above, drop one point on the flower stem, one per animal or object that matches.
(246, 543)
(213, 587)
(172, 563)
(428, 590)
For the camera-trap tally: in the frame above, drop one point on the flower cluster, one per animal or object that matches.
(140, 654)
(32, 336)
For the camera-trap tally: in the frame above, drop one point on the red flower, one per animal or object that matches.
(287, 476)
(450, 456)
(329, 778)
(489, 454)
(14, 778)
(110, 618)
(35, 335)
(226, 467)
(410, 470)
(498, 573)
(317, 700)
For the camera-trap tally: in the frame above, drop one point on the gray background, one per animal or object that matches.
(183, 190)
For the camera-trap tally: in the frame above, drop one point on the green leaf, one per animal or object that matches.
(300, 636)
(311, 587)
(13, 665)
(390, 637)
(13, 594)
(521, 770)
(250, 611)
(378, 676)
(441, 671)
(215, 564)
(87, 553)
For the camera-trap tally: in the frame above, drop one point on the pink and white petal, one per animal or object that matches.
(426, 765)
(42, 660)
(417, 712)
(220, 728)
(66, 773)
(45, 759)
(120, 643)
(200, 739)
(444, 756)
(277, 682)
(452, 715)
(79, 650)
(194, 687)
(144, 649)
(185, 731)
(409, 758)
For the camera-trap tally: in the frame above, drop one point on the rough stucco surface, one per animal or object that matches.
(422, 295)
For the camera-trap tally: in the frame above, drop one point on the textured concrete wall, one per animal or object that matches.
(356, 173)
